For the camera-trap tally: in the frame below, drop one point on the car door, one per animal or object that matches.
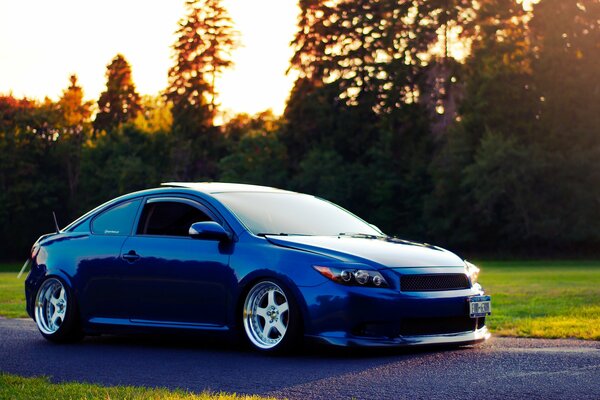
(99, 263)
(171, 277)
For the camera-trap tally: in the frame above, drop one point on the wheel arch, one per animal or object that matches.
(250, 280)
(60, 275)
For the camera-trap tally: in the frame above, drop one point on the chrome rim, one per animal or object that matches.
(51, 306)
(266, 315)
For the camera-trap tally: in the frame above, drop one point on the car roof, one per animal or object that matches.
(220, 187)
(208, 188)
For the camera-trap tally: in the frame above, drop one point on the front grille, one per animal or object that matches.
(433, 282)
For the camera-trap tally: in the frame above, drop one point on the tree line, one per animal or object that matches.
(469, 124)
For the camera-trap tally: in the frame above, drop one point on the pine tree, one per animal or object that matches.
(375, 49)
(206, 39)
(120, 102)
(74, 130)
(75, 110)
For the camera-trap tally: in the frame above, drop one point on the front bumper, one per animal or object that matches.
(461, 338)
(342, 315)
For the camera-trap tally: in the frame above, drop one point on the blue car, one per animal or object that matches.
(273, 266)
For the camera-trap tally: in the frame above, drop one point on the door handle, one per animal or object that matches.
(131, 256)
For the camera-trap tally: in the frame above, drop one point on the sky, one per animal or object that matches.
(42, 42)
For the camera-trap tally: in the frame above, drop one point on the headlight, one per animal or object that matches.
(472, 271)
(352, 276)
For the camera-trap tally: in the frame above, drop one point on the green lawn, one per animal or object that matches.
(16, 387)
(547, 299)
(12, 292)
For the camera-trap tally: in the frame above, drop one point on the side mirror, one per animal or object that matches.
(209, 230)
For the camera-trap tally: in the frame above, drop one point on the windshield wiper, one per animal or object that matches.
(282, 234)
(361, 235)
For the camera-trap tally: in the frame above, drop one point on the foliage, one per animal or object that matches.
(495, 151)
(155, 117)
(73, 130)
(374, 50)
(120, 102)
(33, 174)
(256, 153)
(206, 38)
(131, 160)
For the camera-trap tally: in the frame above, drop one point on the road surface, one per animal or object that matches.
(503, 368)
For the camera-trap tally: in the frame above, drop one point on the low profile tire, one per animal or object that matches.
(271, 318)
(56, 313)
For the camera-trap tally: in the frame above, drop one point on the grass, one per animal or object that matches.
(16, 387)
(12, 292)
(543, 299)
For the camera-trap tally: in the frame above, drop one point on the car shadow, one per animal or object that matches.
(200, 362)
(193, 362)
(216, 343)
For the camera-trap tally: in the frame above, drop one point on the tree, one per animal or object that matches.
(565, 36)
(206, 39)
(203, 49)
(498, 98)
(74, 130)
(258, 158)
(120, 102)
(156, 115)
(315, 116)
(131, 160)
(32, 173)
(375, 49)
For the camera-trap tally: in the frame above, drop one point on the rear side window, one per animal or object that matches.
(117, 220)
(169, 218)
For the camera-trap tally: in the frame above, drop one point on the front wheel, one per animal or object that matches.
(56, 312)
(271, 318)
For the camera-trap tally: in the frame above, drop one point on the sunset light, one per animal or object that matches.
(427, 174)
(43, 42)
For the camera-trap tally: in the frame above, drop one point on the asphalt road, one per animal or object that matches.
(503, 368)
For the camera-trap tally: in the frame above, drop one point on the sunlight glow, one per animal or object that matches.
(528, 4)
(42, 42)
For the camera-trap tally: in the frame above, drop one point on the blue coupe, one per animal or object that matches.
(272, 265)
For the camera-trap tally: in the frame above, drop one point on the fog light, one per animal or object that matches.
(346, 275)
(361, 276)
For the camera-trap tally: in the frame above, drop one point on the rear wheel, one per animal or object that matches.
(270, 316)
(56, 312)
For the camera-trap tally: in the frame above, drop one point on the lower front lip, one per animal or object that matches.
(461, 338)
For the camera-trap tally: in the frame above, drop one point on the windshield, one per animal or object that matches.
(292, 214)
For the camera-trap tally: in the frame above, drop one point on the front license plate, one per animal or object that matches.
(480, 306)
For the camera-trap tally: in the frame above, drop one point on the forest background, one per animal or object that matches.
(473, 125)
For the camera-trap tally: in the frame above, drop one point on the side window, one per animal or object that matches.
(169, 218)
(116, 220)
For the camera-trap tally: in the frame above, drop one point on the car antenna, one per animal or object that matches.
(55, 222)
